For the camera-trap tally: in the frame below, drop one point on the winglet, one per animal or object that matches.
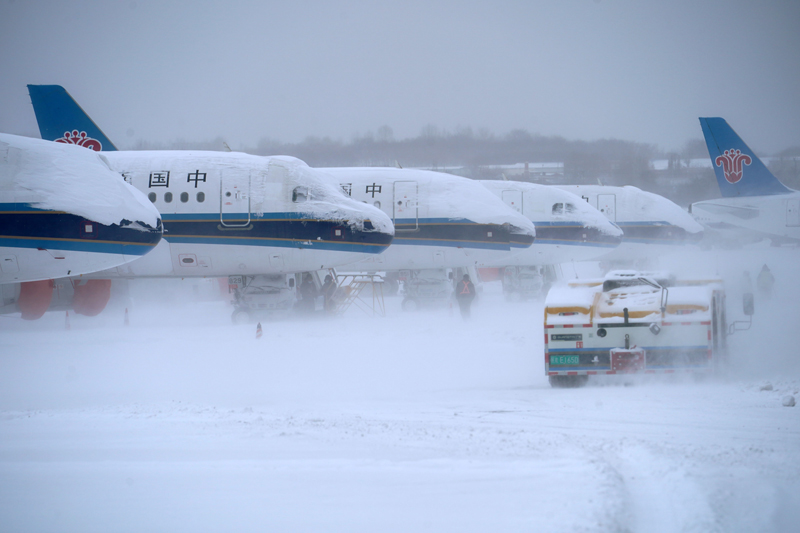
(61, 119)
(739, 171)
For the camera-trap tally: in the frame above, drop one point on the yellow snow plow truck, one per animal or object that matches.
(632, 322)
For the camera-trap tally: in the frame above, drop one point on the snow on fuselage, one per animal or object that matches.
(229, 213)
(64, 212)
(567, 228)
(440, 220)
(651, 223)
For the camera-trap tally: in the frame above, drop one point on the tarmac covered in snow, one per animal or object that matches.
(423, 422)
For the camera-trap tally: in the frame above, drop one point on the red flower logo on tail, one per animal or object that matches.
(80, 139)
(731, 163)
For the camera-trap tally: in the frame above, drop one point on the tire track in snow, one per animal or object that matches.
(661, 494)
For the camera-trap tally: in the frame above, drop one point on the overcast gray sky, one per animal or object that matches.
(583, 69)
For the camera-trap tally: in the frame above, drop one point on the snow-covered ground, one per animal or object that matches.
(413, 422)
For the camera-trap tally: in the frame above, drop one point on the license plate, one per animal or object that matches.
(564, 359)
(569, 337)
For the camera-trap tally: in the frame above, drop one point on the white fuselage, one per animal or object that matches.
(651, 224)
(239, 214)
(567, 228)
(440, 220)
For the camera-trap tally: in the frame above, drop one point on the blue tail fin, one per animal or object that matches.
(61, 119)
(739, 172)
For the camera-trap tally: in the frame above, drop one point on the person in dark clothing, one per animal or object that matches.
(465, 293)
(765, 281)
(308, 293)
(328, 290)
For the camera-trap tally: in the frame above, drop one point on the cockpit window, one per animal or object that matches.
(300, 195)
(562, 208)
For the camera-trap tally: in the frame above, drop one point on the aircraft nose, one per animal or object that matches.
(373, 235)
(521, 236)
(606, 234)
(694, 237)
(361, 229)
(137, 237)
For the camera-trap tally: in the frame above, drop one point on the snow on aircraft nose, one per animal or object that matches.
(521, 237)
(68, 213)
(343, 224)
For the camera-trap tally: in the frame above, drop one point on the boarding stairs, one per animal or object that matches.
(349, 293)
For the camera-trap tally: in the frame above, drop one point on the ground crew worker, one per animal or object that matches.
(765, 281)
(328, 289)
(308, 293)
(465, 293)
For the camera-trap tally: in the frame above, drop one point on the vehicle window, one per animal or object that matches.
(569, 208)
(201, 196)
(152, 197)
(558, 209)
(168, 197)
(184, 197)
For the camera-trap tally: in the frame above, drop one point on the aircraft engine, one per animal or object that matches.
(91, 297)
(34, 298)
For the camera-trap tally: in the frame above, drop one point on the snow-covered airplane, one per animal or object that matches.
(440, 220)
(227, 213)
(754, 204)
(567, 228)
(651, 224)
(64, 212)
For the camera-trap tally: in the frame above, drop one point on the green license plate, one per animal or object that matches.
(564, 360)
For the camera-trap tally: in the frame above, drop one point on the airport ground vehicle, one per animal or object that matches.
(527, 282)
(434, 287)
(426, 288)
(632, 322)
(262, 297)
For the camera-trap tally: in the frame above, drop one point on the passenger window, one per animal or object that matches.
(201, 197)
(152, 197)
(184, 197)
(299, 195)
(168, 197)
(377, 204)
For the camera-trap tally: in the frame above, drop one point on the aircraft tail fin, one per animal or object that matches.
(739, 171)
(61, 119)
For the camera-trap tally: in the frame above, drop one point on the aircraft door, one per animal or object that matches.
(793, 212)
(405, 205)
(513, 199)
(607, 204)
(234, 199)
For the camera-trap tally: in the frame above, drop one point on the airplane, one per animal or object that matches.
(64, 212)
(651, 224)
(228, 213)
(754, 204)
(567, 228)
(440, 220)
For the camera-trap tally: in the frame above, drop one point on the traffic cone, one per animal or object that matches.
(127, 321)
(66, 321)
(258, 331)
